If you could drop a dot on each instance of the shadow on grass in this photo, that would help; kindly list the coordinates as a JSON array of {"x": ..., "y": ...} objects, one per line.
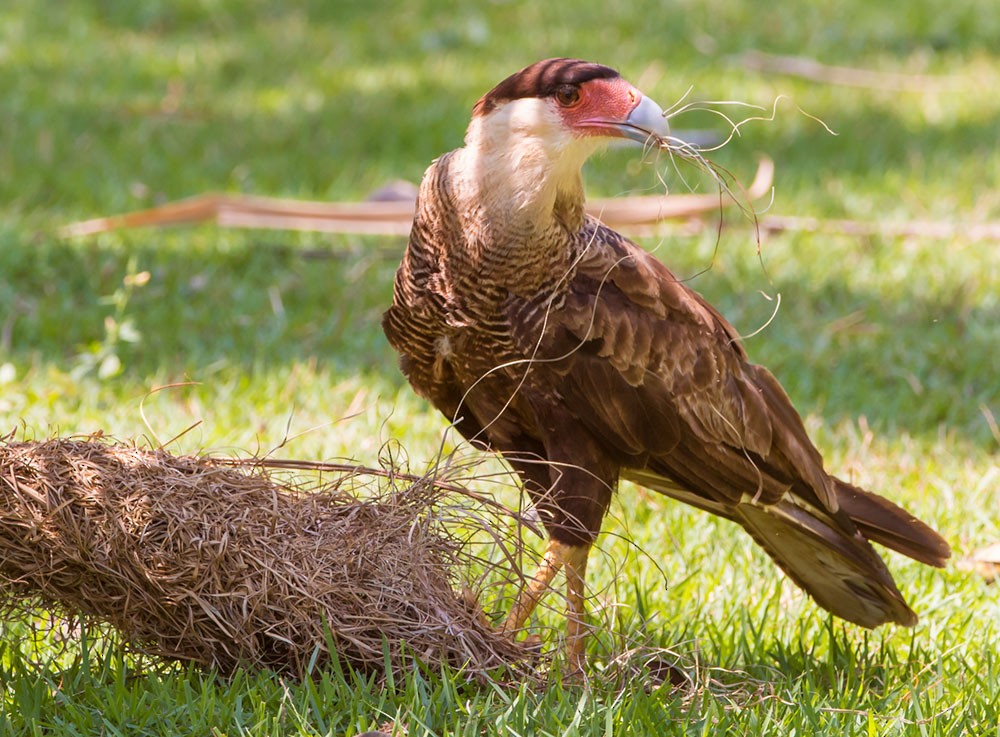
[{"x": 909, "y": 364}]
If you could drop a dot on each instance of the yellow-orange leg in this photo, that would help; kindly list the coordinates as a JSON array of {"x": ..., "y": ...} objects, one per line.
[
  {"x": 557, "y": 555},
  {"x": 576, "y": 610}
]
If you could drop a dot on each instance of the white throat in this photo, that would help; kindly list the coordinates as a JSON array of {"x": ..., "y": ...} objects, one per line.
[{"x": 521, "y": 164}]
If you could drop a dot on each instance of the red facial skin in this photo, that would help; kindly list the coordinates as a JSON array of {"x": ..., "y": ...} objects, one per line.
[{"x": 601, "y": 105}]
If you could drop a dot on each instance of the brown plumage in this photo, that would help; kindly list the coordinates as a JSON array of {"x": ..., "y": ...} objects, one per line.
[{"x": 548, "y": 337}]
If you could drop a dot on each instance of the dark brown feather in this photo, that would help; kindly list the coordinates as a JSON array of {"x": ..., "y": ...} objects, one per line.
[
  {"x": 541, "y": 79},
  {"x": 883, "y": 522}
]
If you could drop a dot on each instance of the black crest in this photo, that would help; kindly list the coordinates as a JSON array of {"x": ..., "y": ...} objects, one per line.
[{"x": 542, "y": 79}]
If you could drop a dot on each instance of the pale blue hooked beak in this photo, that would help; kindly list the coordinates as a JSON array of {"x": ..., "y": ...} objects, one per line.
[
  {"x": 644, "y": 123},
  {"x": 646, "y": 120}
]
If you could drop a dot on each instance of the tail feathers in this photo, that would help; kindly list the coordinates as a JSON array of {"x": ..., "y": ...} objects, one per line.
[
  {"x": 828, "y": 553},
  {"x": 883, "y": 522},
  {"x": 842, "y": 572}
]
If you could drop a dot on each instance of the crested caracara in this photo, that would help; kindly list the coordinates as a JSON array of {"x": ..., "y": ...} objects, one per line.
[{"x": 546, "y": 336}]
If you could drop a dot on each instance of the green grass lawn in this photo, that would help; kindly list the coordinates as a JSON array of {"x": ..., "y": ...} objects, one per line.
[{"x": 889, "y": 347}]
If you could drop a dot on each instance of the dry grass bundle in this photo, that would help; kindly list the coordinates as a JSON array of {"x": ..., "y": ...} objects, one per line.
[{"x": 191, "y": 558}]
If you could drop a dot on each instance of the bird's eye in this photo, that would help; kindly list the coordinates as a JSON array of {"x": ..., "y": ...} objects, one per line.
[{"x": 568, "y": 95}]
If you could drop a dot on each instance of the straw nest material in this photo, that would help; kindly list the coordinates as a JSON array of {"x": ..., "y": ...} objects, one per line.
[{"x": 195, "y": 559}]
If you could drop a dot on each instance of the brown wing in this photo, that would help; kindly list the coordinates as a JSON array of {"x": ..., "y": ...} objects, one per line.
[{"x": 659, "y": 376}]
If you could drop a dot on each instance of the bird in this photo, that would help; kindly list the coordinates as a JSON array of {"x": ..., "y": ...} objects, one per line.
[{"x": 546, "y": 337}]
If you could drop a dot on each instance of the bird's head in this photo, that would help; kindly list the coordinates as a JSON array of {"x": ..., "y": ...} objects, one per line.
[
  {"x": 566, "y": 101},
  {"x": 535, "y": 129}
]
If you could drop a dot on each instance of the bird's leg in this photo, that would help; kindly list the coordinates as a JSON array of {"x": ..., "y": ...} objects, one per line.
[
  {"x": 575, "y": 562},
  {"x": 574, "y": 559},
  {"x": 529, "y": 595}
]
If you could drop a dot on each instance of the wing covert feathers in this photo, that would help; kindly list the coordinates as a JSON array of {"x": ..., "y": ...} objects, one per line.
[{"x": 655, "y": 371}]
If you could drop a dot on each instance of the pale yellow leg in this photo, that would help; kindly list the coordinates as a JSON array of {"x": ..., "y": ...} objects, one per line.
[{"x": 557, "y": 555}]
